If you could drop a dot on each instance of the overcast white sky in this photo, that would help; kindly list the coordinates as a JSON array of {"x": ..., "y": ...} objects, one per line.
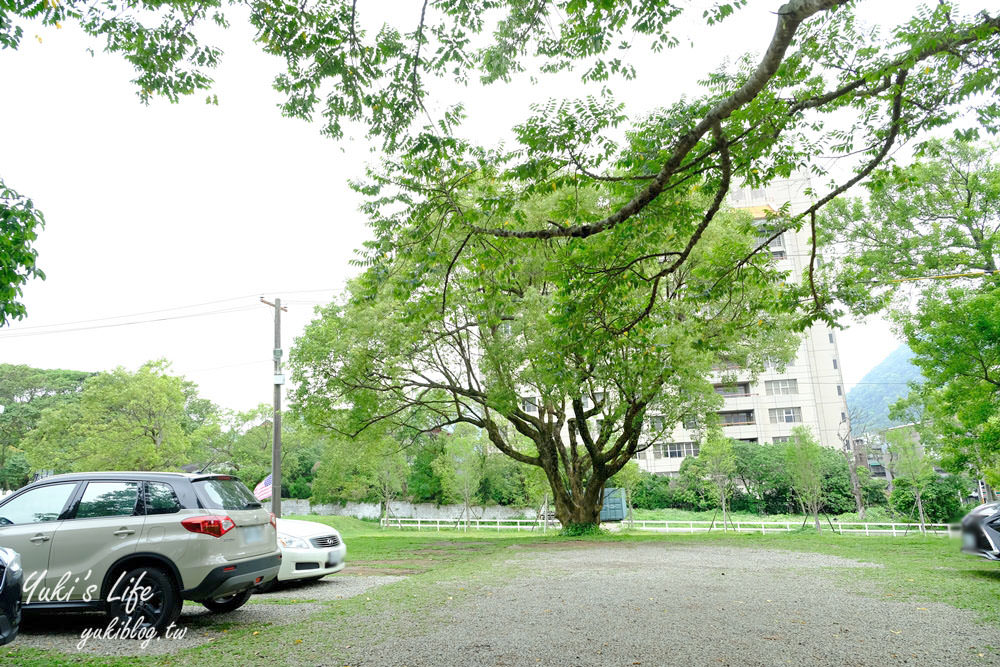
[{"x": 150, "y": 208}]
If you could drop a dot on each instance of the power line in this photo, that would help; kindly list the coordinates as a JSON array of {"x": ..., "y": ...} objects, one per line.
[
  {"x": 14, "y": 332},
  {"x": 139, "y": 314},
  {"x": 19, "y": 334}
]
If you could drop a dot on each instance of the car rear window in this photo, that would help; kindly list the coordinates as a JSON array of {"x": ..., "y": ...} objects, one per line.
[
  {"x": 161, "y": 499},
  {"x": 225, "y": 493}
]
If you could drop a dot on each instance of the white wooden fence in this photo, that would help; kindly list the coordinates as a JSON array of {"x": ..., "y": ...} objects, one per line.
[
  {"x": 518, "y": 525},
  {"x": 660, "y": 526},
  {"x": 764, "y": 527}
]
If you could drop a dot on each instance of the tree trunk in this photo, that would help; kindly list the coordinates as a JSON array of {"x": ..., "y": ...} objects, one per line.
[
  {"x": 722, "y": 499},
  {"x": 920, "y": 510},
  {"x": 887, "y": 464},
  {"x": 852, "y": 466},
  {"x": 576, "y": 501},
  {"x": 581, "y": 512},
  {"x": 815, "y": 513},
  {"x": 467, "y": 513}
]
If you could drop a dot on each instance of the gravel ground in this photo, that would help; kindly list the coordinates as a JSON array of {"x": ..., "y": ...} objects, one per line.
[
  {"x": 681, "y": 605},
  {"x": 62, "y": 632}
]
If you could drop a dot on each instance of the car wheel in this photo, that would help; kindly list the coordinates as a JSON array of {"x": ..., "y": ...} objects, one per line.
[
  {"x": 266, "y": 587},
  {"x": 147, "y": 598},
  {"x": 228, "y": 603}
]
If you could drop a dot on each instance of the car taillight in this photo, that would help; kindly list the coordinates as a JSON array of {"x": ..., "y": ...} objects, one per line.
[
  {"x": 274, "y": 520},
  {"x": 216, "y": 526}
]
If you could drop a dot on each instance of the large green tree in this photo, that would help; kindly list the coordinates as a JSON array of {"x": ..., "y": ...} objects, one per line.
[
  {"x": 955, "y": 336},
  {"x": 925, "y": 247},
  {"x": 122, "y": 421},
  {"x": 526, "y": 339},
  {"x": 823, "y": 84},
  {"x": 24, "y": 393}
]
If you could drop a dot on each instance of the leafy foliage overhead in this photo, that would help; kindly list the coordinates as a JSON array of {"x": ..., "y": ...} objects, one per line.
[
  {"x": 20, "y": 223},
  {"x": 824, "y": 84}
]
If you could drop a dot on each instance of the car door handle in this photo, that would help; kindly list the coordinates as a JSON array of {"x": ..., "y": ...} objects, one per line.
[
  {"x": 39, "y": 538},
  {"x": 124, "y": 531}
]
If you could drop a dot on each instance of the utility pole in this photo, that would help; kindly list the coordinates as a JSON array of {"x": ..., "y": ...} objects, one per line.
[{"x": 279, "y": 379}]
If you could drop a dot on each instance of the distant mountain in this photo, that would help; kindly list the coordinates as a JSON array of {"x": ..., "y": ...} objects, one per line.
[{"x": 869, "y": 400}]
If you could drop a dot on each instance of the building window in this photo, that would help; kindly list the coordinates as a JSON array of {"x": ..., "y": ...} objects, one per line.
[
  {"x": 831, "y": 337},
  {"x": 529, "y": 404},
  {"x": 835, "y": 363},
  {"x": 785, "y": 415},
  {"x": 690, "y": 423},
  {"x": 678, "y": 450},
  {"x": 781, "y": 387},
  {"x": 736, "y": 417},
  {"x": 737, "y": 389},
  {"x": 779, "y": 439},
  {"x": 843, "y": 416},
  {"x": 775, "y": 245},
  {"x": 656, "y": 423},
  {"x": 840, "y": 390},
  {"x": 752, "y": 441}
]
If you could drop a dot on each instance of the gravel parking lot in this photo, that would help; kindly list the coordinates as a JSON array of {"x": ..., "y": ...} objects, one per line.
[
  {"x": 659, "y": 604},
  {"x": 294, "y": 603},
  {"x": 581, "y": 604}
]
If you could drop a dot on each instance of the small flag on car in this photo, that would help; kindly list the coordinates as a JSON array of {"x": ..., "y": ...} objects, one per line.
[{"x": 263, "y": 490}]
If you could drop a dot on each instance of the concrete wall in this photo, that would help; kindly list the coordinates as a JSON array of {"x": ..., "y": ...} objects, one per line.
[{"x": 403, "y": 510}]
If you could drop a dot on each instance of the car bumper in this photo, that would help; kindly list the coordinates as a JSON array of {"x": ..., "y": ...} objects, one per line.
[
  {"x": 980, "y": 538},
  {"x": 309, "y": 563},
  {"x": 10, "y": 607},
  {"x": 236, "y": 577}
]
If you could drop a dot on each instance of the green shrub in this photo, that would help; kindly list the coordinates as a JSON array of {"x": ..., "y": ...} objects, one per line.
[{"x": 941, "y": 499}]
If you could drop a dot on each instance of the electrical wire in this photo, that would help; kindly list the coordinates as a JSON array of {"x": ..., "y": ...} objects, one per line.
[
  {"x": 223, "y": 311},
  {"x": 57, "y": 327}
]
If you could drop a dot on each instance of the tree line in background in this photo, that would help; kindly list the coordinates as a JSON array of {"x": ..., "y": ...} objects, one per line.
[
  {"x": 798, "y": 477},
  {"x": 61, "y": 421},
  {"x": 65, "y": 421}
]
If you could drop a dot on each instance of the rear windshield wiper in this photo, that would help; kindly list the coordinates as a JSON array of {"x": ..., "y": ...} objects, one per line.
[{"x": 252, "y": 505}]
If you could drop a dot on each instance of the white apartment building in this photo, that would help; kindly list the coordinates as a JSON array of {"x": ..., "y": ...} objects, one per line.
[{"x": 809, "y": 391}]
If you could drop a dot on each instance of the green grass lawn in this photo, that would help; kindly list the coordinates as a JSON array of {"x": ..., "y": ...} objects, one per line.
[{"x": 454, "y": 564}]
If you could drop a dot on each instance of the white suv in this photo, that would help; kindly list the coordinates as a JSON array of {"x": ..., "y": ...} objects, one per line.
[{"x": 136, "y": 544}]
